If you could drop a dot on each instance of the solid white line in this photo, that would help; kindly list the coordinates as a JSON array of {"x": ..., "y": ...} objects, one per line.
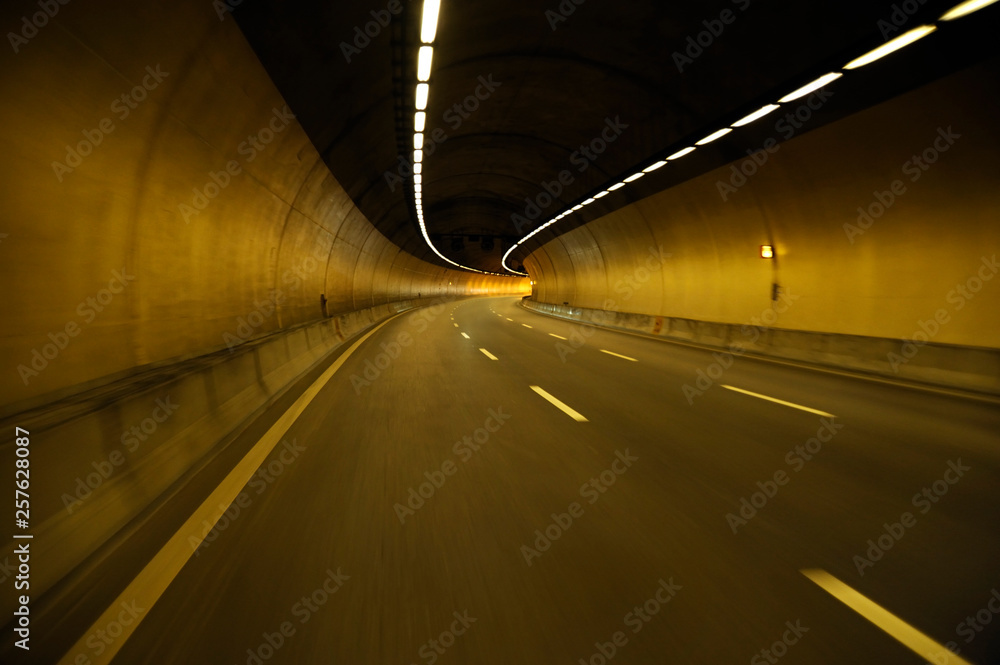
[
  {"x": 525, "y": 325},
  {"x": 145, "y": 590},
  {"x": 572, "y": 413},
  {"x": 910, "y": 637},
  {"x": 618, "y": 355},
  {"x": 465, "y": 336},
  {"x": 488, "y": 354},
  {"x": 780, "y": 401},
  {"x": 556, "y": 336}
]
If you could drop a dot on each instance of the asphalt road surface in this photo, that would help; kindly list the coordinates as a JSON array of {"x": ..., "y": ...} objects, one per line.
[{"x": 470, "y": 487}]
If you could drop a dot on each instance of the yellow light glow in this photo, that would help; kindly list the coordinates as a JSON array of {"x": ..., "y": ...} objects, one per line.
[
  {"x": 891, "y": 46},
  {"x": 809, "y": 87},
  {"x": 418, "y": 179},
  {"x": 965, "y": 8},
  {"x": 766, "y": 252},
  {"x": 714, "y": 135},
  {"x": 418, "y": 141},
  {"x": 681, "y": 153},
  {"x": 429, "y": 20},
  {"x": 614, "y": 187},
  {"x": 419, "y": 121},
  {"x": 418, "y": 168},
  {"x": 653, "y": 167},
  {"x": 418, "y": 156},
  {"x": 634, "y": 177},
  {"x": 424, "y": 57},
  {"x": 756, "y": 115},
  {"x": 601, "y": 194},
  {"x": 423, "y": 91}
]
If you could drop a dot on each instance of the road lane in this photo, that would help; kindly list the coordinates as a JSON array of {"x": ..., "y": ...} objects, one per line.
[{"x": 421, "y": 415}]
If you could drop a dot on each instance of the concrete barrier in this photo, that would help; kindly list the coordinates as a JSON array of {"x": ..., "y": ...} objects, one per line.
[
  {"x": 107, "y": 454},
  {"x": 941, "y": 365}
]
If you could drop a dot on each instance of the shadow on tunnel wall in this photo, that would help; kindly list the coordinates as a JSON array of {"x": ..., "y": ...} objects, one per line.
[
  {"x": 175, "y": 254},
  {"x": 885, "y": 235}
]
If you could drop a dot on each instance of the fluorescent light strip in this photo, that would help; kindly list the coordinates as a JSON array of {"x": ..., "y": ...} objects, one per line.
[
  {"x": 810, "y": 87},
  {"x": 964, "y": 9},
  {"x": 904, "y": 39},
  {"x": 423, "y": 91},
  {"x": 756, "y": 115},
  {"x": 428, "y": 32},
  {"x": 681, "y": 153},
  {"x": 429, "y": 20},
  {"x": 715, "y": 135},
  {"x": 424, "y": 57}
]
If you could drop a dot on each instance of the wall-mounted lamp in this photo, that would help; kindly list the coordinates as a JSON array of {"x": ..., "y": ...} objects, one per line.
[{"x": 766, "y": 252}]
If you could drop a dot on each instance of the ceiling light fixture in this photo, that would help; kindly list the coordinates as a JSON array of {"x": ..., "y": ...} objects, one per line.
[
  {"x": 714, "y": 135},
  {"x": 810, "y": 87},
  {"x": 423, "y": 91},
  {"x": 964, "y": 9},
  {"x": 891, "y": 46},
  {"x": 756, "y": 115},
  {"x": 424, "y": 57},
  {"x": 429, "y": 20}
]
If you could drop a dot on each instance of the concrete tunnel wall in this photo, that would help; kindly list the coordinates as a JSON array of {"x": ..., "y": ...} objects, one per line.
[
  {"x": 879, "y": 282},
  {"x": 279, "y": 229}
]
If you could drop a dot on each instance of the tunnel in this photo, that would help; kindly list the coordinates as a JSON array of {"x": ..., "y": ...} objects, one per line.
[{"x": 424, "y": 331}]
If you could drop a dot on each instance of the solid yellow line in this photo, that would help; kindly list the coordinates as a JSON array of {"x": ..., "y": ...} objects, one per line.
[
  {"x": 145, "y": 590},
  {"x": 910, "y": 637},
  {"x": 572, "y": 413},
  {"x": 780, "y": 401}
]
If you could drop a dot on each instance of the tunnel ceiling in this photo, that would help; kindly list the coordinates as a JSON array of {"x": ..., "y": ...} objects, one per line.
[{"x": 519, "y": 87}]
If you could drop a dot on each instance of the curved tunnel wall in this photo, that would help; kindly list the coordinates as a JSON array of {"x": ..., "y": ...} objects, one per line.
[
  {"x": 938, "y": 235},
  {"x": 197, "y": 190}
]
